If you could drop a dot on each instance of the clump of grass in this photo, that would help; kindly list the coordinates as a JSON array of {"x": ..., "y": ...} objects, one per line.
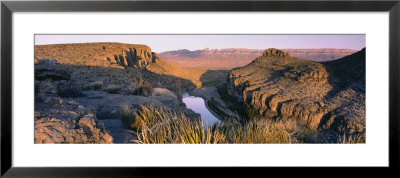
[
  {"x": 97, "y": 85},
  {"x": 352, "y": 139},
  {"x": 113, "y": 88},
  {"x": 128, "y": 117},
  {"x": 68, "y": 91},
  {"x": 253, "y": 131},
  {"x": 306, "y": 134},
  {"x": 157, "y": 125}
]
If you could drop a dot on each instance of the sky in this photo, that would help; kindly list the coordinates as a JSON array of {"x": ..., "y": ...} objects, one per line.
[{"x": 161, "y": 43}]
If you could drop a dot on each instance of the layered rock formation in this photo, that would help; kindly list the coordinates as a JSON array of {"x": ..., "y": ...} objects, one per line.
[{"x": 326, "y": 95}]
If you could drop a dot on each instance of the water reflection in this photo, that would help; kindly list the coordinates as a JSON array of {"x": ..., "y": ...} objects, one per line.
[{"x": 197, "y": 105}]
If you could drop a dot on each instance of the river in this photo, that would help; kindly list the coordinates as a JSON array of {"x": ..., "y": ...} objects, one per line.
[{"x": 198, "y": 105}]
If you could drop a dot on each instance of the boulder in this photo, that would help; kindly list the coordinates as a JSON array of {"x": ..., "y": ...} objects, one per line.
[{"x": 163, "y": 92}]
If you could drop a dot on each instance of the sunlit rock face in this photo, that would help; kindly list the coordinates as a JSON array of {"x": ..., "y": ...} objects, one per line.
[
  {"x": 98, "y": 54},
  {"x": 328, "y": 95}
]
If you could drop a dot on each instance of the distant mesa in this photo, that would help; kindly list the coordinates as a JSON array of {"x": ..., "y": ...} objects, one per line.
[
  {"x": 249, "y": 54},
  {"x": 236, "y": 57}
]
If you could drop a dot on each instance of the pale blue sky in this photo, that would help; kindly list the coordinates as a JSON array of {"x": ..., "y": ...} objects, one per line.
[{"x": 161, "y": 43}]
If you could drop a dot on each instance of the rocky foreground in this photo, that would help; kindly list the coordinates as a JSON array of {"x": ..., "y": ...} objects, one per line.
[
  {"x": 81, "y": 90},
  {"x": 328, "y": 95}
]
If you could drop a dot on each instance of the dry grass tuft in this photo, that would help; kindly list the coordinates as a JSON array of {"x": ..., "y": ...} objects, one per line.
[
  {"x": 255, "y": 131},
  {"x": 353, "y": 139},
  {"x": 158, "y": 125},
  {"x": 113, "y": 88},
  {"x": 128, "y": 117},
  {"x": 97, "y": 85}
]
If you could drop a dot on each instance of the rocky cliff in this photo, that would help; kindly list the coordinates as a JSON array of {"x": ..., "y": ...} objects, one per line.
[
  {"x": 98, "y": 54},
  {"x": 328, "y": 95}
]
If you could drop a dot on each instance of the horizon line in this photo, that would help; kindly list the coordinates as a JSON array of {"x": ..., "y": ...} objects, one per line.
[{"x": 195, "y": 49}]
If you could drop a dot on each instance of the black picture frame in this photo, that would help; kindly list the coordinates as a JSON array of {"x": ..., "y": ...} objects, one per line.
[{"x": 8, "y": 7}]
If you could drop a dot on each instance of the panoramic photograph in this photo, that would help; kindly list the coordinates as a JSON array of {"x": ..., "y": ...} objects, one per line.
[{"x": 200, "y": 89}]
